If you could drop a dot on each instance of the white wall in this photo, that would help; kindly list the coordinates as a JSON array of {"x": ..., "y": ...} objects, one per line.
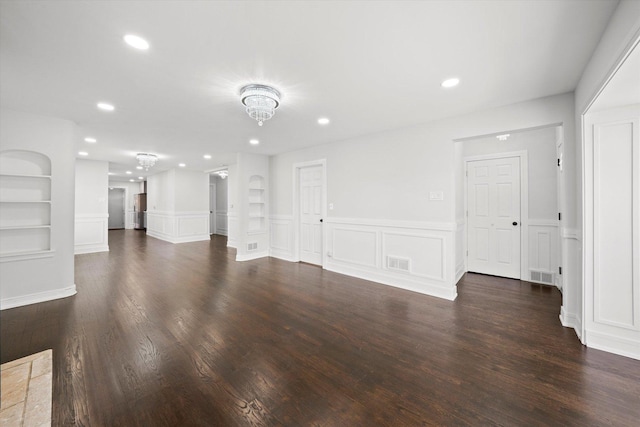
[
  {"x": 131, "y": 189},
  {"x": 30, "y": 279},
  {"x": 91, "y": 206},
  {"x": 232, "y": 206},
  {"x": 178, "y": 206},
  {"x": 384, "y": 180}
]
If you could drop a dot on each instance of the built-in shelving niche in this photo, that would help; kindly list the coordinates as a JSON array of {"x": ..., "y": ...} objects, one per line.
[
  {"x": 257, "y": 220},
  {"x": 25, "y": 204}
]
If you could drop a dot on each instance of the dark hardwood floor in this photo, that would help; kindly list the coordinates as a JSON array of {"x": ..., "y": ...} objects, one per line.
[{"x": 181, "y": 335}]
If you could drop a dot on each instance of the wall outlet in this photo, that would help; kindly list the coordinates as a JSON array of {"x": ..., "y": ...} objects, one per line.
[{"x": 436, "y": 195}]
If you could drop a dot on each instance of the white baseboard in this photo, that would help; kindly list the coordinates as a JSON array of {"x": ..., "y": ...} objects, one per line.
[
  {"x": 180, "y": 239},
  {"x": 281, "y": 254},
  {"x": 250, "y": 256},
  {"x": 570, "y": 320},
  {"x": 421, "y": 287},
  {"x": 89, "y": 249},
  {"x": 612, "y": 344},
  {"x": 21, "y": 300}
]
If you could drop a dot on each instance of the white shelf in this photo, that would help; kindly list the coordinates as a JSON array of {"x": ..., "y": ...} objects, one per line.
[
  {"x": 15, "y": 175},
  {"x": 25, "y": 201},
  {"x": 24, "y": 227},
  {"x": 24, "y": 255}
]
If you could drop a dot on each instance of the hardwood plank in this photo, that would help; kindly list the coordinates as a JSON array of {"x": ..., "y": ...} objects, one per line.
[{"x": 163, "y": 334}]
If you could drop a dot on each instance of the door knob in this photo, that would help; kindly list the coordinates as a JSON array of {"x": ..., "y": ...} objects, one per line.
[
  {"x": 514, "y": 223},
  {"x": 321, "y": 220}
]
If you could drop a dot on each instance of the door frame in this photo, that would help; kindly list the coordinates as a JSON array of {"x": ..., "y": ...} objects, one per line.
[
  {"x": 212, "y": 210},
  {"x": 296, "y": 206},
  {"x": 127, "y": 220},
  {"x": 524, "y": 206}
]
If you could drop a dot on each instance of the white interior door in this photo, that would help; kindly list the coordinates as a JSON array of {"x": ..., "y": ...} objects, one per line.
[
  {"x": 493, "y": 207},
  {"x": 311, "y": 189},
  {"x": 212, "y": 209}
]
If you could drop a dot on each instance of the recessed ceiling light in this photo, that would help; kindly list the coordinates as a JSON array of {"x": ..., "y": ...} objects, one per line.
[
  {"x": 139, "y": 168},
  {"x": 106, "y": 107},
  {"x": 503, "y": 137},
  {"x": 182, "y": 165},
  {"x": 207, "y": 156},
  {"x": 132, "y": 180},
  {"x": 137, "y": 42},
  {"x": 323, "y": 121},
  {"x": 91, "y": 140},
  {"x": 128, "y": 172},
  {"x": 110, "y": 173},
  {"x": 83, "y": 153},
  {"x": 254, "y": 142},
  {"x": 450, "y": 82},
  {"x": 140, "y": 177}
]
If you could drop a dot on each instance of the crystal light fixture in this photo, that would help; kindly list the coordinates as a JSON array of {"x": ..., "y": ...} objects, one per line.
[
  {"x": 260, "y": 101},
  {"x": 222, "y": 174},
  {"x": 146, "y": 160}
]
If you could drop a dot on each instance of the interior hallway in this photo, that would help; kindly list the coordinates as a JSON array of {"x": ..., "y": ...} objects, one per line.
[{"x": 164, "y": 334}]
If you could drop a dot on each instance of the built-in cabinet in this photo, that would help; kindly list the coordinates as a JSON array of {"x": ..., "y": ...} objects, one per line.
[
  {"x": 257, "y": 220},
  {"x": 25, "y": 204}
]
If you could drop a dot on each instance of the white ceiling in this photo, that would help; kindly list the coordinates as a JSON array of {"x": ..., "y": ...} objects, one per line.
[{"x": 368, "y": 66}]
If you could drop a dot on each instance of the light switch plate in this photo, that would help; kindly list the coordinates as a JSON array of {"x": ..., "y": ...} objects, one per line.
[{"x": 436, "y": 195}]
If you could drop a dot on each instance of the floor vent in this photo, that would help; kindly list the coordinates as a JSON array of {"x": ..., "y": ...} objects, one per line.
[
  {"x": 395, "y": 263},
  {"x": 542, "y": 277},
  {"x": 252, "y": 246}
]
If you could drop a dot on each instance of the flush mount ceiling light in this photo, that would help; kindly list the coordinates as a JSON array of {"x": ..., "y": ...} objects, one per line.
[
  {"x": 450, "y": 82},
  {"x": 136, "y": 42},
  {"x": 260, "y": 101},
  {"x": 503, "y": 137},
  {"x": 146, "y": 160},
  {"x": 106, "y": 107},
  {"x": 222, "y": 174}
]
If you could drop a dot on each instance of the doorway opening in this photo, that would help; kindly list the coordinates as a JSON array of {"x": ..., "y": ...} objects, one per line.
[
  {"x": 218, "y": 202},
  {"x": 116, "y": 208},
  {"x": 309, "y": 207},
  {"x": 511, "y": 198}
]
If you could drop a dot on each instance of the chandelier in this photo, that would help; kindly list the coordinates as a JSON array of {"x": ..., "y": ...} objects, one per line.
[
  {"x": 146, "y": 160},
  {"x": 222, "y": 174},
  {"x": 260, "y": 101}
]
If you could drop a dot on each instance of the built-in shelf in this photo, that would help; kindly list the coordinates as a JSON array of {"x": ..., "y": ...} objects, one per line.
[
  {"x": 24, "y": 227},
  {"x": 256, "y": 211},
  {"x": 25, "y": 199},
  {"x": 16, "y": 175}
]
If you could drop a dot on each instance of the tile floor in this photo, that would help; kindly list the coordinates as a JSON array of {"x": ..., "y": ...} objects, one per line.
[{"x": 26, "y": 391}]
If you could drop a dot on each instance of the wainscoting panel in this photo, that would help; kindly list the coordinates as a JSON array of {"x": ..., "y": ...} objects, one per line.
[
  {"x": 461, "y": 265},
  {"x": 232, "y": 236},
  {"x": 222, "y": 223},
  {"x": 178, "y": 227},
  {"x": 543, "y": 251},
  {"x": 281, "y": 237},
  {"x": 91, "y": 234},
  {"x": 411, "y": 255}
]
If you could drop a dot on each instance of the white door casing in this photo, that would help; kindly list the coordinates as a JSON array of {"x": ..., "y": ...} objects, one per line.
[
  {"x": 310, "y": 211},
  {"x": 212, "y": 209},
  {"x": 493, "y": 207}
]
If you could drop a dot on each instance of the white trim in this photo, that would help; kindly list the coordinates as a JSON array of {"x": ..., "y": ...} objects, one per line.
[
  {"x": 420, "y": 225},
  {"x": 24, "y": 256},
  {"x": 544, "y": 223},
  {"x": 296, "y": 206},
  {"x": 613, "y": 344},
  {"x": 170, "y": 229},
  {"x": 99, "y": 225},
  {"x": 524, "y": 204},
  {"x": 251, "y": 256},
  {"x": 22, "y": 300},
  {"x": 571, "y": 320}
]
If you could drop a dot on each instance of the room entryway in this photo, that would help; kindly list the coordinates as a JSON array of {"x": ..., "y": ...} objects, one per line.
[
  {"x": 493, "y": 209},
  {"x": 116, "y": 208}
]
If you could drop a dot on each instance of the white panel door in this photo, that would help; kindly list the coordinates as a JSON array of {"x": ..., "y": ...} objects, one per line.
[
  {"x": 311, "y": 214},
  {"x": 493, "y": 206}
]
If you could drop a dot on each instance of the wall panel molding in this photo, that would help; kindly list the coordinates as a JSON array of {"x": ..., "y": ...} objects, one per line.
[
  {"x": 178, "y": 227},
  {"x": 91, "y": 234}
]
